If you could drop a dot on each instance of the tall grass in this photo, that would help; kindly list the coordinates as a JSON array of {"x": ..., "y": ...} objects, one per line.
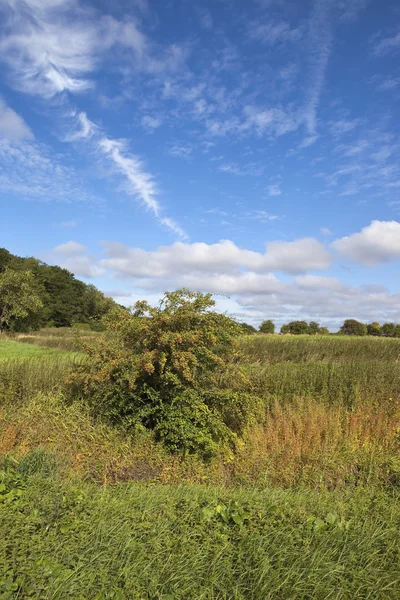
[
  {"x": 185, "y": 542},
  {"x": 22, "y": 379},
  {"x": 63, "y": 338},
  {"x": 330, "y": 383},
  {"x": 272, "y": 349}
]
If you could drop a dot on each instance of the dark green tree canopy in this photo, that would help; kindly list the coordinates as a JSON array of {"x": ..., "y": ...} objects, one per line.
[
  {"x": 313, "y": 328},
  {"x": 296, "y": 328},
  {"x": 353, "y": 327},
  {"x": 64, "y": 299},
  {"x": 388, "y": 329},
  {"x": 19, "y": 297},
  {"x": 267, "y": 327},
  {"x": 374, "y": 328}
]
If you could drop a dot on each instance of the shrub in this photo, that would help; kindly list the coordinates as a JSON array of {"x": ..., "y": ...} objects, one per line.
[{"x": 159, "y": 366}]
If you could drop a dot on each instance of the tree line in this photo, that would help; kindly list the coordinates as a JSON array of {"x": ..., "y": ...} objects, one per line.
[
  {"x": 34, "y": 294},
  {"x": 349, "y": 327}
]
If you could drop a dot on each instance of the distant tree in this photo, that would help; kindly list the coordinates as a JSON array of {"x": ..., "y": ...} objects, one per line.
[
  {"x": 397, "y": 331},
  {"x": 313, "y": 328},
  {"x": 19, "y": 297},
  {"x": 298, "y": 327},
  {"x": 248, "y": 329},
  {"x": 285, "y": 328},
  {"x": 374, "y": 328},
  {"x": 353, "y": 327},
  {"x": 323, "y": 331},
  {"x": 388, "y": 329},
  {"x": 267, "y": 327}
]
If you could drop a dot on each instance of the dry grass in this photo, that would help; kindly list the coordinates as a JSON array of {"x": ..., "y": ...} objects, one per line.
[{"x": 311, "y": 443}]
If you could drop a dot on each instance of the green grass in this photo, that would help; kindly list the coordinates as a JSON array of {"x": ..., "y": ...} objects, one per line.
[
  {"x": 10, "y": 349},
  {"x": 272, "y": 349},
  {"x": 62, "y": 541}
]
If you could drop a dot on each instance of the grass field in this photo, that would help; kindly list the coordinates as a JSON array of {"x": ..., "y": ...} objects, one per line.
[
  {"x": 134, "y": 542},
  {"x": 10, "y": 349},
  {"x": 307, "y": 507}
]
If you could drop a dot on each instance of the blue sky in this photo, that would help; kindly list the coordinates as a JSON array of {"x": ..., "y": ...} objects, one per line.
[{"x": 250, "y": 149}]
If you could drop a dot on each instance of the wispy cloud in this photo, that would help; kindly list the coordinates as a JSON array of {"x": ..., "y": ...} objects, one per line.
[
  {"x": 34, "y": 172},
  {"x": 140, "y": 183},
  {"x": 320, "y": 41},
  {"x": 150, "y": 123},
  {"x": 274, "y": 190},
  {"x": 386, "y": 45},
  {"x": 249, "y": 169},
  {"x": 12, "y": 125},
  {"x": 55, "y": 46},
  {"x": 181, "y": 151}
]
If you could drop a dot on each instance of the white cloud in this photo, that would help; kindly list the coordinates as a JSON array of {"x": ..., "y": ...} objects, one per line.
[
  {"x": 326, "y": 231},
  {"x": 181, "y": 151},
  {"x": 274, "y": 190},
  {"x": 389, "y": 84},
  {"x": 87, "y": 129},
  {"x": 150, "y": 123},
  {"x": 34, "y": 172},
  {"x": 68, "y": 224},
  {"x": 140, "y": 184},
  {"x": 272, "y": 32},
  {"x": 320, "y": 41},
  {"x": 70, "y": 248},
  {"x": 377, "y": 243},
  {"x": 220, "y": 258},
  {"x": 55, "y": 46},
  {"x": 245, "y": 276},
  {"x": 386, "y": 45},
  {"x": 74, "y": 257},
  {"x": 342, "y": 126},
  {"x": 12, "y": 126}
]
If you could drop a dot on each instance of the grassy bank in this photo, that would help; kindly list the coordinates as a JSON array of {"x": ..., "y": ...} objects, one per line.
[{"x": 132, "y": 542}]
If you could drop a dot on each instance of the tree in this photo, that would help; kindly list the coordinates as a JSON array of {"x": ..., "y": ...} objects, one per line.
[
  {"x": 19, "y": 298},
  {"x": 323, "y": 331},
  {"x": 313, "y": 328},
  {"x": 248, "y": 329},
  {"x": 161, "y": 368},
  {"x": 298, "y": 327},
  {"x": 388, "y": 329},
  {"x": 353, "y": 327},
  {"x": 285, "y": 329},
  {"x": 267, "y": 327},
  {"x": 374, "y": 328},
  {"x": 397, "y": 331}
]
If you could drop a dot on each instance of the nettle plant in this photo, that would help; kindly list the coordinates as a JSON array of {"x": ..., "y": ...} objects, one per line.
[{"x": 162, "y": 368}]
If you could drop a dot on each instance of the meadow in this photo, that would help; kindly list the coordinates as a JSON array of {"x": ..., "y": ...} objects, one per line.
[{"x": 306, "y": 507}]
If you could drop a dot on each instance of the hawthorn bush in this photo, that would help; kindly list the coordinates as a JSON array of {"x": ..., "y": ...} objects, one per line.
[{"x": 161, "y": 368}]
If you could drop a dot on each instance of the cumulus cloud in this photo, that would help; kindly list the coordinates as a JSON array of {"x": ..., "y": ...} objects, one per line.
[
  {"x": 246, "y": 276},
  {"x": 222, "y": 258},
  {"x": 375, "y": 244},
  {"x": 75, "y": 257},
  {"x": 12, "y": 126},
  {"x": 70, "y": 248}
]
